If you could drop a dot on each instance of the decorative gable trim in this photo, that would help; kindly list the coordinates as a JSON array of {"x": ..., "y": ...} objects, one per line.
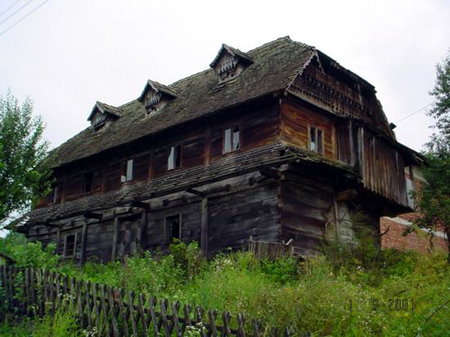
[
  {"x": 103, "y": 115},
  {"x": 156, "y": 95},
  {"x": 230, "y": 62}
]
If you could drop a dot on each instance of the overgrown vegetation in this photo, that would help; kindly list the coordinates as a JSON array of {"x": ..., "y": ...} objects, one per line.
[
  {"x": 23, "y": 176},
  {"x": 344, "y": 292}
]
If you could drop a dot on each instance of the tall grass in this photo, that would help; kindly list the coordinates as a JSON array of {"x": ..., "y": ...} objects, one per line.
[{"x": 360, "y": 291}]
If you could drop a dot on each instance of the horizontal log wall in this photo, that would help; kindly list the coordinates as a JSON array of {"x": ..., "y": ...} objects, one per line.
[
  {"x": 236, "y": 209},
  {"x": 306, "y": 209}
]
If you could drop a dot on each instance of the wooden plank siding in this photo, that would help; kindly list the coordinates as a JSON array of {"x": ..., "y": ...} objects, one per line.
[
  {"x": 296, "y": 118},
  {"x": 201, "y": 143}
]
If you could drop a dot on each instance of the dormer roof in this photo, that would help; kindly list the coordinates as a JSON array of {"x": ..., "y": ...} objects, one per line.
[
  {"x": 233, "y": 52},
  {"x": 230, "y": 63},
  {"x": 158, "y": 88},
  {"x": 105, "y": 109}
]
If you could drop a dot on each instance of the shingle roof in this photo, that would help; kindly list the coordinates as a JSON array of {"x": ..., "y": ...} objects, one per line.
[
  {"x": 275, "y": 65},
  {"x": 159, "y": 88},
  {"x": 232, "y": 51},
  {"x": 105, "y": 108}
]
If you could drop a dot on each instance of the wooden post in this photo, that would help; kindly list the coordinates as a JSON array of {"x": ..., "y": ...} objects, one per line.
[
  {"x": 115, "y": 236},
  {"x": 204, "y": 226},
  {"x": 58, "y": 239},
  {"x": 336, "y": 220},
  {"x": 361, "y": 153},
  {"x": 83, "y": 241}
]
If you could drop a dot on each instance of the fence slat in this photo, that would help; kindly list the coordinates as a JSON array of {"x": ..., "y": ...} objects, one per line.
[
  {"x": 113, "y": 312},
  {"x": 130, "y": 299},
  {"x": 118, "y": 312}
]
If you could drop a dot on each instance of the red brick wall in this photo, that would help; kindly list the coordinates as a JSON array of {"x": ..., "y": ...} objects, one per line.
[{"x": 418, "y": 240}]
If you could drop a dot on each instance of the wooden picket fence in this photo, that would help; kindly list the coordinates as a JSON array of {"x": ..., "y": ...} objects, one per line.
[{"x": 117, "y": 312}]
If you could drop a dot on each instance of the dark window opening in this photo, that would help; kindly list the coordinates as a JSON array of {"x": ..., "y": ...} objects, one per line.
[
  {"x": 173, "y": 227},
  {"x": 231, "y": 140},
  {"x": 174, "y": 159},
  {"x": 316, "y": 140},
  {"x": 88, "y": 178},
  {"x": 70, "y": 245},
  {"x": 127, "y": 172}
]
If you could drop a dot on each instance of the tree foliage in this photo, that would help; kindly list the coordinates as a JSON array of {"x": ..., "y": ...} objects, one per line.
[
  {"x": 434, "y": 196},
  {"x": 23, "y": 176},
  {"x": 440, "y": 142}
]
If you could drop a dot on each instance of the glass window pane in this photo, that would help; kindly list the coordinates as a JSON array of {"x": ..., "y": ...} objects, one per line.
[
  {"x": 312, "y": 139},
  {"x": 236, "y": 143},
  {"x": 227, "y": 141},
  {"x": 319, "y": 141},
  {"x": 178, "y": 156},
  {"x": 171, "y": 160},
  {"x": 129, "y": 174},
  {"x": 173, "y": 226}
]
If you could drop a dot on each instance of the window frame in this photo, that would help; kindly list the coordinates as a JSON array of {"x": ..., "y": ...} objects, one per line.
[
  {"x": 83, "y": 182},
  {"x": 75, "y": 235},
  {"x": 54, "y": 195},
  {"x": 168, "y": 230},
  {"x": 319, "y": 143},
  {"x": 231, "y": 140},
  {"x": 124, "y": 177},
  {"x": 180, "y": 156}
]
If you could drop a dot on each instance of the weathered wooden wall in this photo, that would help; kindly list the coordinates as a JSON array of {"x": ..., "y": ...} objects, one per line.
[
  {"x": 201, "y": 144},
  {"x": 238, "y": 210},
  {"x": 306, "y": 209},
  {"x": 380, "y": 163},
  {"x": 295, "y": 119}
]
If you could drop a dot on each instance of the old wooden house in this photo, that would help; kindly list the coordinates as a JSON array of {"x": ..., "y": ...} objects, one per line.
[{"x": 280, "y": 143}]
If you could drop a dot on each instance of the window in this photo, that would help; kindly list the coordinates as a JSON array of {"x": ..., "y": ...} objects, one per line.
[
  {"x": 316, "y": 140},
  {"x": 54, "y": 195},
  {"x": 70, "y": 245},
  {"x": 173, "y": 227},
  {"x": 231, "y": 140},
  {"x": 174, "y": 159},
  {"x": 88, "y": 178},
  {"x": 127, "y": 173}
]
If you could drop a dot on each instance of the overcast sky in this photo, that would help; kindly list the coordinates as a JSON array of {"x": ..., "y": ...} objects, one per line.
[{"x": 70, "y": 53}]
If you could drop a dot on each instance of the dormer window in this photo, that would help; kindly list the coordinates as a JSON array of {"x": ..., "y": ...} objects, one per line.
[
  {"x": 103, "y": 115},
  {"x": 156, "y": 96},
  {"x": 230, "y": 62}
]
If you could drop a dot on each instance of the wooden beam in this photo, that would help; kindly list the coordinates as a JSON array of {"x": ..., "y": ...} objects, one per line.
[
  {"x": 83, "y": 241},
  {"x": 115, "y": 236},
  {"x": 58, "y": 238},
  {"x": 270, "y": 173},
  {"x": 204, "y": 227},
  {"x": 93, "y": 215},
  {"x": 140, "y": 204},
  {"x": 198, "y": 193},
  {"x": 346, "y": 195}
]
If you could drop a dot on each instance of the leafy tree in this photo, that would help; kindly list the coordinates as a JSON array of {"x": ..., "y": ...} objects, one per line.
[
  {"x": 434, "y": 196},
  {"x": 23, "y": 176},
  {"x": 440, "y": 141}
]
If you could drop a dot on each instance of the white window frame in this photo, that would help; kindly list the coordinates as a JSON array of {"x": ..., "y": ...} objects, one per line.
[
  {"x": 231, "y": 142},
  {"x": 127, "y": 173}
]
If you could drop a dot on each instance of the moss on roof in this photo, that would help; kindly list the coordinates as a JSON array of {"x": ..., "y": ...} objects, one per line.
[{"x": 275, "y": 65}]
